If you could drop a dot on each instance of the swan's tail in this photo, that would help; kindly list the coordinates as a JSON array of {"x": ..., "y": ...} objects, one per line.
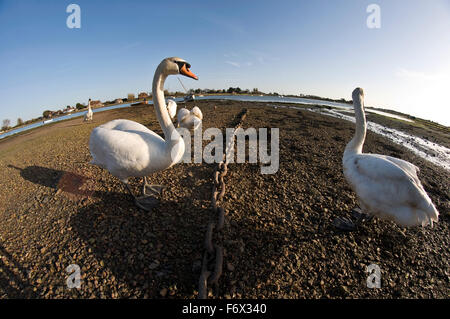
[
  {"x": 433, "y": 214},
  {"x": 427, "y": 215}
]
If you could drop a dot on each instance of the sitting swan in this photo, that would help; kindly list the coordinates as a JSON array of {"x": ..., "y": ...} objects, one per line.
[
  {"x": 386, "y": 187},
  {"x": 171, "y": 108},
  {"x": 190, "y": 119},
  {"x": 89, "y": 114},
  {"x": 185, "y": 118},
  {"x": 129, "y": 149}
]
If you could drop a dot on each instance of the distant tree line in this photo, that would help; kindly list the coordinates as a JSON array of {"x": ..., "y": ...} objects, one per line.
[
  {"x": 315, "y": 97},
  {"x": 6, "y": 124},
  {"x": 238, "y": 90},
  {"x": 230, "y": 90}
]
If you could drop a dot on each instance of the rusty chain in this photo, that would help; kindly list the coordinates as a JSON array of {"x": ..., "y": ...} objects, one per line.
[{"x": 213, "y": 256}]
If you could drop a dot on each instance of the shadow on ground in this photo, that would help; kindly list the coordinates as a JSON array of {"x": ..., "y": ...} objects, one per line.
[
  {"x": 13, "y": 278},
  {"x": 72, "y": 183}
]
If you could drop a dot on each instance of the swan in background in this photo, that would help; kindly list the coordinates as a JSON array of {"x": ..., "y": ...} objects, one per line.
[
  {"x": 129, "y": 149},
  {"x": 89, "y": 114},
  {"x": 171, "y": 108},
  {"x": 189, "y": 119},
  {"x": 185, "y": 118},
  {"x": 386, "y": 187}
]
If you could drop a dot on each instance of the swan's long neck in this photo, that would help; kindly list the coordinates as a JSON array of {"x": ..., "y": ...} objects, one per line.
[
  {"x": 160, "y": 104},
  {"x": 356, "y": 144}
]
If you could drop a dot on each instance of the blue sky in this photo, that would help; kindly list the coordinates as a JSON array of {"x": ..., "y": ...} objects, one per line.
[{"x": 313, "y": 47}]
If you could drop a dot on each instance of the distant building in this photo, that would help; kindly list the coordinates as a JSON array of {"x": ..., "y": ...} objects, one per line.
[
  {"x": 142, "y": 95},
  {"x": 96, "y": 103},
  {"x": 130, "y": 96},
  {"x": 68, "y": 110},
  {"x": 118, "y": 101}
]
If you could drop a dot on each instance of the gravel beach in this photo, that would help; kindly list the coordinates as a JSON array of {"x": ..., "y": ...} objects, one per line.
[{"x": 56, "y": 210}]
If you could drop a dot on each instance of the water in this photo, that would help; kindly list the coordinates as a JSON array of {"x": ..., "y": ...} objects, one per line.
[
  {"x": 272, "y": 99},
  {"x": 432, "y": 152},
  {"x": 62, "y": 118},
  {"x": 247, "y": 98}
]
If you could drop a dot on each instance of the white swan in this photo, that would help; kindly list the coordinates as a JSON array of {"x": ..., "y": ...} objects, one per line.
[
  {"x": 171, "y": 108},
  {"x": 89, "y": 114},
  {"x": 185, "y": 118},
  {"x": 190, "y": 119},
  {"x": 386, "y": 187},
  {"x": 128, "y": 149}
]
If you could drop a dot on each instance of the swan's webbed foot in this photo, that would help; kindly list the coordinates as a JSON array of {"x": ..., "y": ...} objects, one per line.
[
  {"x": 152, "y": 189},
  {"x": 346, "y": 224},
  {"x": 146, "y": 202},
  {"x": 360, "y": 215}
]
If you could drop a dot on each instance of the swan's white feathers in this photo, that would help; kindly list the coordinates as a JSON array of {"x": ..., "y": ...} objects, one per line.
[
  {"x": 129, "y": 149},
  {"x": 409, "y": 168},
  {"x": 386, "y": 186},
  {"x": 196, "y": 122},
  {"x": 182, "y": 113},
  {"x": 89, "y": 115},
  {"x": 190, "y": 119},
  {"x": 122, "y": 147},
  {"x": 197, "y": 112},
  {"x": 171, "y": 108},
  {"x": 386, "y": 190}
]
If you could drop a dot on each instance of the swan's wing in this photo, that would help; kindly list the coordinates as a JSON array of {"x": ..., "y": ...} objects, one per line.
[
  {"x": 196, "y": 123},
  {"x": 125, "y": 148},
  {"x": 126, "y": 125},
  {"x": 171, "y": 108},
  {"x": 182, "y": 113},
  {"x": 408, "y": 167},
  {"x": 188, "y": 120},
  {"x": 191, "y": 122},
  {"x": 382, "y": 175},
  {"x": 197, "y": 112},
  {"x": 384, "y": 186}
]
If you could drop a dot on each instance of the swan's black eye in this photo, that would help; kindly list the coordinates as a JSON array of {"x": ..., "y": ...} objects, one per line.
[{"x": 180, "y": 64}]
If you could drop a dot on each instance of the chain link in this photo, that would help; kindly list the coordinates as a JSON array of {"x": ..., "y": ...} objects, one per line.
[{"x": 213, "y": 256}]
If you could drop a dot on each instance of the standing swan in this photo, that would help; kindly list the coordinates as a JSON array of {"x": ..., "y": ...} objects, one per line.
[
  {"x": 386, "y": 187},
  {"x": 128, "y": 149},
  {"x": 89, "y": 114}
]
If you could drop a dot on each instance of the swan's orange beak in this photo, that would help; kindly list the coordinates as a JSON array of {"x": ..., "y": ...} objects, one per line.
[{"x": 185, "y": 71}]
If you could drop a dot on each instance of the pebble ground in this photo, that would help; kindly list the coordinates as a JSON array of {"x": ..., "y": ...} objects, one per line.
[{"x": 57, "y": 210}]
